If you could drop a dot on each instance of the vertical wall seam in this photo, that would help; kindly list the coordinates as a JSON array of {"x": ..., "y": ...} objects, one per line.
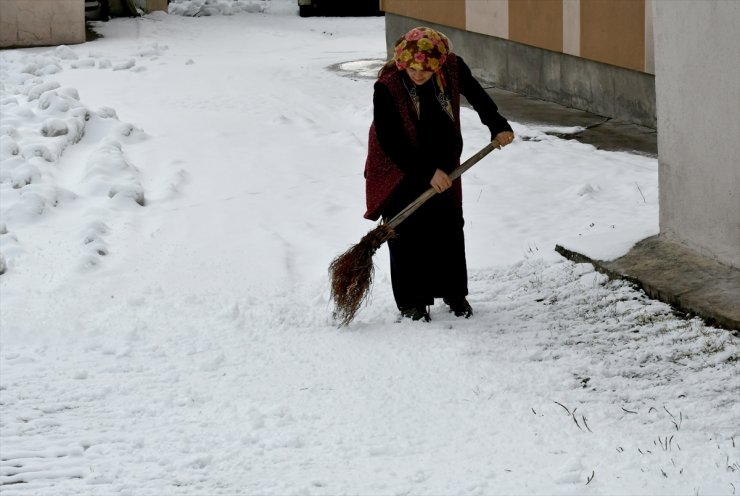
[
  {"x": 649, "y": 41},
  {"x": 489, "y": 17},
  {"x": 572, "y": 27}
]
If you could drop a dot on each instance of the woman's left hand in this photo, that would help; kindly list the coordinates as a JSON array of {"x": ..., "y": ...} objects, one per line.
[
  {"x": 440, "y": 181},
  {"x": 504, "y": 138}
]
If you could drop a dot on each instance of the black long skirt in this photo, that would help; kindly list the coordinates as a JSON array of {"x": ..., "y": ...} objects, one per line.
[{"x": 428, "y": 253}]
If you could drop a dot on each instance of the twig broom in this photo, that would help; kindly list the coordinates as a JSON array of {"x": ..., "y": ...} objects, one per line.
[{"x": 352, "y": 272}]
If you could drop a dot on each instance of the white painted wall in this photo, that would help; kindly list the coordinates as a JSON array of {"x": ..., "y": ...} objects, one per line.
[{"x": 697, "y": 83}]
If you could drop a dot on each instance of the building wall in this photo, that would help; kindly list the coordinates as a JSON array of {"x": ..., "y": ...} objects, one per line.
[
  {"x": 613, "y": 31},
  {"x": 534, "y": 22},
  {"x": 557, "y": 76},
  {"x": 697, "y": 59},
  {"x": 447, "y": 12},
  {"x": 617, "y": 32},
  {"x": 610, "y": 31},
  {"x": 594, "y": 55},
  {"x": 41, "y": 22}
]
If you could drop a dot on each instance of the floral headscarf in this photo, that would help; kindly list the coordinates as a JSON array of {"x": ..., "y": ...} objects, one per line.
[{"x": 423, "y": 49}]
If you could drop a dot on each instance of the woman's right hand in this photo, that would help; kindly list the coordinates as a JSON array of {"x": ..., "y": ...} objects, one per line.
[{"x": 440, "y": 181}]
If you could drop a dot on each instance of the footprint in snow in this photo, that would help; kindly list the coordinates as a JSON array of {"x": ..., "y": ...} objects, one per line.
[
  {"x": 24, "y": 464},
  {"x": 25, "y": 174},
  {"x": 83, "y": 64},
  {"x": 65, "y": 53},
  {"x": 54, "y": 127},
  {"x": 35, "y": 92},
  {"x": 123, "y": 66},
  {"x": 10, "y": 248},
  {"x": 39, "y": 150},
  {"x": 94, "y": 240},
  {"x": 109, "y": 173}
]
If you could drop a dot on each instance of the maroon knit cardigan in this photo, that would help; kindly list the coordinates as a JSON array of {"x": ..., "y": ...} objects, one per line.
[{"x": 382, "y": 176}]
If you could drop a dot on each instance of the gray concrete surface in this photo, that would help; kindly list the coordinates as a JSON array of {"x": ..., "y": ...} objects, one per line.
[
  {"x": 603, "y": 132},
  {"x": 670, "y": 272},
  {"x": 667, "y": 271}
]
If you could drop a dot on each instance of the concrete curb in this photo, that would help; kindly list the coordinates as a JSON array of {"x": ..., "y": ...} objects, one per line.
[{"x": 669, "y": 272}]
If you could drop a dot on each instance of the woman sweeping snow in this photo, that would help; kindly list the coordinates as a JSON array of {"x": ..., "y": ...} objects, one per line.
[{"x": 415, "y": 141}]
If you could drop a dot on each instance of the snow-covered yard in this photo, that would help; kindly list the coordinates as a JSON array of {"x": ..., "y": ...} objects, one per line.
[{"x": 171, "y": 197}]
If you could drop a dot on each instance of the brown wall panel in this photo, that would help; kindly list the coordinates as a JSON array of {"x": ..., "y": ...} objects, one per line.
[
  {"x": 445, "y": 12},
  {"x": 537, "y": 22},
  {"x": 613, "y": 31}
]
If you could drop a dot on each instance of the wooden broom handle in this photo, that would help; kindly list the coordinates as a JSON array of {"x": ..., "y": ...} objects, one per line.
[{"x": 411, "y": 208}]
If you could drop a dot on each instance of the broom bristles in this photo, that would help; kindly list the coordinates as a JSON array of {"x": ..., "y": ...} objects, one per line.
[{"x": 352, "y": 273}]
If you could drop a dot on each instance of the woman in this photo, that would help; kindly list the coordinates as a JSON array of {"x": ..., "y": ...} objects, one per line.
[{"x": 415, "y": 141}]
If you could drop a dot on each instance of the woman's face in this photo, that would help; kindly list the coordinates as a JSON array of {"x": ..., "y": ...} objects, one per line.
[{"x": 419, "y": 77}]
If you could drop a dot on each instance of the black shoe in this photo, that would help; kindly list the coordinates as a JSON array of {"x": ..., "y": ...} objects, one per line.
[
  {"x": 459, "y": 306},
  {"x": 416, "y": 313}
]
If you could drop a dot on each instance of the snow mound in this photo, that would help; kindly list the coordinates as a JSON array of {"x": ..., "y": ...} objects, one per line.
[{"x": 43, "y": 121}]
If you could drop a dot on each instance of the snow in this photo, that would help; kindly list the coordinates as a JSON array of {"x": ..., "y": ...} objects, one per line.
[{"x": 171, "y": 197}]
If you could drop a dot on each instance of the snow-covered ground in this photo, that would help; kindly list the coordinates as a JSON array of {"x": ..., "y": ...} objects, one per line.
[{"x": 171, "y": 197}]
